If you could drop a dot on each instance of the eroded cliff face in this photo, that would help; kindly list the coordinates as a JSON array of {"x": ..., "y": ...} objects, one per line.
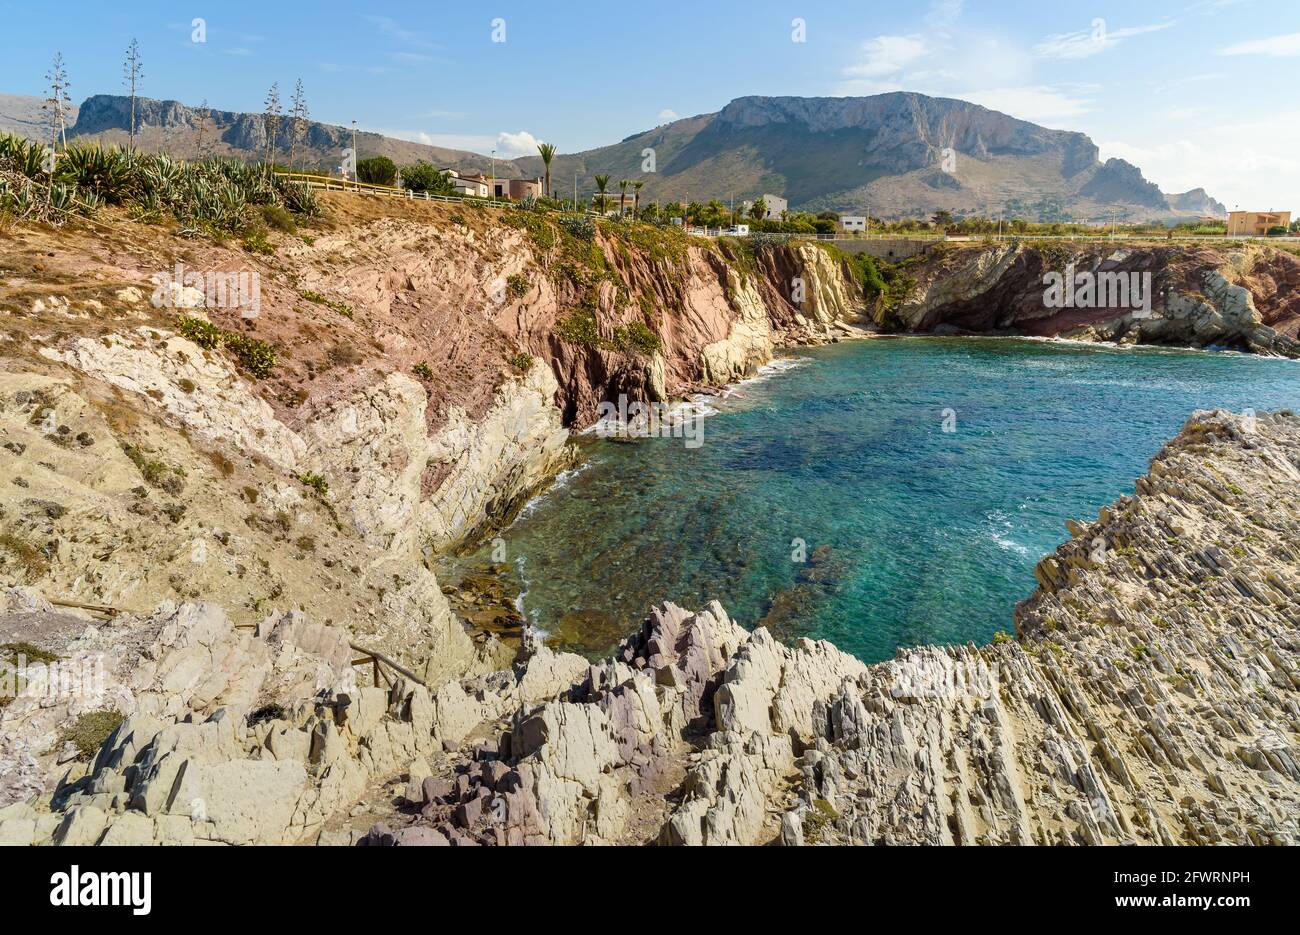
[
  {"x": 429, "y": 365},
  {"x": 1244, "y": 297},
  {"x": 1149, "y": 696}
]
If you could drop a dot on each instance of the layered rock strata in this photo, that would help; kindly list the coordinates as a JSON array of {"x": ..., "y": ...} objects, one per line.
[{"x": 1151, "y": 694}]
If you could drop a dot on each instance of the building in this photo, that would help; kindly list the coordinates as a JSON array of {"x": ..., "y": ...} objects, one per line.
[
  {"x": 1256, "y": 223},
  {"x": 475, "y": 186},
  {"x": 517, "y": 189},
  {"x": 776, "y": 206},
  {"x": 853, "y": 222}
]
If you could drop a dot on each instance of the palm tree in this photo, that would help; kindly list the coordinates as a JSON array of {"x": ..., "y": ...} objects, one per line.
[
  {"x": 547, "y": 152},
  {"x": 622, "y": 195},
  {"x": 602, "y": 182},
  {"x": 636, "y": 197}
]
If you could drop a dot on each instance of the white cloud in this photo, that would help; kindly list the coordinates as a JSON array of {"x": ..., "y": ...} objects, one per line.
[
  {"x": 1036, "y": 104},
  {"x": 1251, "y": 163},
  {"x": 395, "y": 30},
  {"x": 410, "y": 58},
  {"x": 1086, "y": 43},
  {"x": 887, "y": 55},
  {"x": 1285, "y": 46},
  {"x": 474, "y": 142},
  {"x": 510, "y": 145},
  {"x": 668, "y": 116}
]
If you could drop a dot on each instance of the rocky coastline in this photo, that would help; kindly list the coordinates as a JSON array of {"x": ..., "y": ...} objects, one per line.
[
  {"x": 1149, "y": 695},
  {"x": 235, "y": 536}
]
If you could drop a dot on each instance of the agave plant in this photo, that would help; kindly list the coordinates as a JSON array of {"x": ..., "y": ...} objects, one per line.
[
  {"x": 22, "y": 156},
  {"x": 105, "y": 171},
  {"x": 297, "y": 197}
]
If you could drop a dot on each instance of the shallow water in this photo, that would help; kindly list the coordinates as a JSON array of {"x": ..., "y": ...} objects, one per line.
[{"x": 909, "y": 534}]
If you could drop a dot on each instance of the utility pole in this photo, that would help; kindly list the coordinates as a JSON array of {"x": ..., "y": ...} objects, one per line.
[
  {"x": 355, "y": 158},
  {"x": 575, "y": 191},
  {"x": 493, "y": 192}
]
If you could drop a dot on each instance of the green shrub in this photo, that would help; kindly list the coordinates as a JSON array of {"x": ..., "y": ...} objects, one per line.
[
  {"x": 316, "y": 482},
  {"x": 255, "y": 241},
  {"x": 521, "y": 361},
  {"x": 638, "y": 338},
  {"x": 516, "y": 286},
  {"x": 90, "y": 730},
  {"x": 425, "y": 177},
  {"x": 257, "y": 357},
  {"x": 342, "y": 308},
  {"x": 279, "y": 218},
  {"x": 32, "y": 559},
  {"x": 30, "y": 653},
  {"x": 377, "y": 170},
  {"x": 579, "y": 226},
  {"x": 579, "y": 328},
  {"x": 423, "y": 371},
  {"x": 202, "y": 332}
]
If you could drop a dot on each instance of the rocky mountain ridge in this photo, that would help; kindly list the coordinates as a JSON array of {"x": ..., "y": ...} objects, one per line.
[
  {"x": 900, "y": 154},
  {"x": 191, "y": 132}
]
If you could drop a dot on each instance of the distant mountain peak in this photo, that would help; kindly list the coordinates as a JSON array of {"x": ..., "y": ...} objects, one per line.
[{"x": 895, "y": 154}]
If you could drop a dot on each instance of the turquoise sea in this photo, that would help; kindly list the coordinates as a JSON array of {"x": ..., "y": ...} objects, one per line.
[{"x": 828, "y": 501}]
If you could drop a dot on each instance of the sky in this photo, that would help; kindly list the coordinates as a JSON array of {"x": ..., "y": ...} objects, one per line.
[{"x": 1197, "y": 93}]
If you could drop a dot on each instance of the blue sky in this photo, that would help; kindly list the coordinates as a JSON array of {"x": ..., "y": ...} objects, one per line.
[{"x": 1197, "y": 92}]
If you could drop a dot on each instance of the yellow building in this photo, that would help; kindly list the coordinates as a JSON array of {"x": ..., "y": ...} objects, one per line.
[{"x": 1256, "y": 223}]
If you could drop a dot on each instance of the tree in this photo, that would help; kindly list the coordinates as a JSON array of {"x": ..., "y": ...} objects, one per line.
[
  {"x": 271, "y": 119},
  {"x": 132, "y": 74},
  {"x": 377, "y": 170},
  {"x": 622, "y": 195},
  {"x": 758, "y": 210},
  {"x": 602, "y": 182},
  {"x": 297, "y": 121},
  {"x": 424, "y": 177},
  {"x": 547, "y": 152},
  {"x": 58, "y": 103},
  {"x": 202, "y": 114},
  {"x": 942, "y": 218},
  {"x": 636, "y": 197}
]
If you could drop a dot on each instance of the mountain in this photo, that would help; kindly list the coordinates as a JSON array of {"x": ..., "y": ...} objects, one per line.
[
  {"x": 1199, "y": 202},
  {"x": 900, "y": 154},
  {"x": 196, "y": 131}
]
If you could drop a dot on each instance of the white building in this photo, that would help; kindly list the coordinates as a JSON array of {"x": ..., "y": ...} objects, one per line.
[
  {"x": 776, "y": 206},
  {"x": 473, "y": 185},
  {"x": 852, "y": 222}
]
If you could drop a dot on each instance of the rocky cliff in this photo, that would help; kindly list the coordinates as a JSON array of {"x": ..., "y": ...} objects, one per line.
[
  {"x": 246, "y": 519},
  {"x": 1242, "y": 296},
  {"x": 429, "y": 362},
  {"x": 1148, "y": 696}
]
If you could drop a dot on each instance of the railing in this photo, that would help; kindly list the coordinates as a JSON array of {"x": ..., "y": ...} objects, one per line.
[
  {"x": 370, "y": 657},
  {"x": 325, "y": 183}
]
